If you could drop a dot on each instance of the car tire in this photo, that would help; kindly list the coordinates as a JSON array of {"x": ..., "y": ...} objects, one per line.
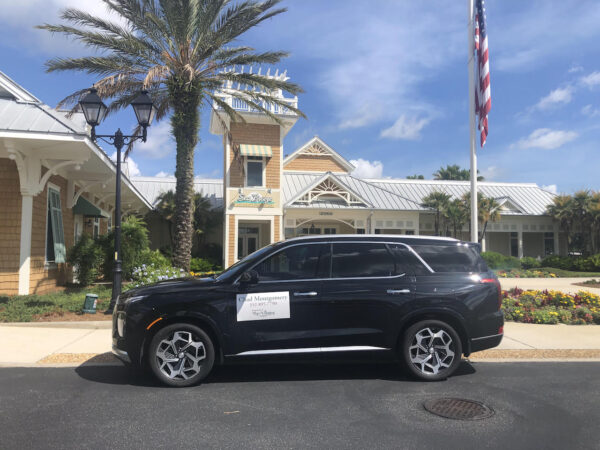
[
  {"x": 181, "y": 355},
  {"x": 431, "y": 350}
]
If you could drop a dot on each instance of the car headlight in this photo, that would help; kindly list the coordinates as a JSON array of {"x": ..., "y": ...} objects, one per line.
[{"x": 121, "y": 324}]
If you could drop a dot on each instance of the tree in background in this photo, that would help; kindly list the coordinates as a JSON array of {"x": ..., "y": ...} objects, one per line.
[
  {"x": 438, "y": 202},
  {"x": 456, "y": 215},
  {"x": 454, "y": 172},
  {"x": 181, "y": 51},
  {"x": 488, "y": 210},
  {"x": 415, "y": 177}
]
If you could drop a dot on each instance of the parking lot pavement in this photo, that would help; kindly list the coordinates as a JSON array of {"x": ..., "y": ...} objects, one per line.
[{"x": 345, "y": 405}]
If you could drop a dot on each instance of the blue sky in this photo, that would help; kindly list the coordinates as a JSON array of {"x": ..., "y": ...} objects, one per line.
[{"x": 386, "y": 85}]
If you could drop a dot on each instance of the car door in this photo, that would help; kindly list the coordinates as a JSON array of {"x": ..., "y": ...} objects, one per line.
[
  {"x": 362, "y": 298},
  {"x": 280, "y": 311}
]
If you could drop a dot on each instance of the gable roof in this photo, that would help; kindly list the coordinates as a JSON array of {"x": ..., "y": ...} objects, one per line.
[
  {"x": 327, "y": 151},
  {"x": 330, "y": 179},
  {"x": 11, "y": 90}
]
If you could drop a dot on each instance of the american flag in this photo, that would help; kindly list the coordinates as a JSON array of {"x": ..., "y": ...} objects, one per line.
[{"x": 483, "y": 96}]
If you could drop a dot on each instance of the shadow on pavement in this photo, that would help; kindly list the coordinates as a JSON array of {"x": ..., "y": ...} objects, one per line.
[{"x": 265, "y": 372}]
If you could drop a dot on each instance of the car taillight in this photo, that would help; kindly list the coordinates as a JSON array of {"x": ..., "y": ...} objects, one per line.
[{"x": 497, "y": 283}]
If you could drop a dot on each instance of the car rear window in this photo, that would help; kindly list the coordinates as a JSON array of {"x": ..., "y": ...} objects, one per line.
[{"x": 451, "y": 258}]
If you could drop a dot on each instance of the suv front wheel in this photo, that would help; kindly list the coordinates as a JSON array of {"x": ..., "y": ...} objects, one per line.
[
  {"x": 181, "y": 355},
  {"x": 431, "y": 350}
]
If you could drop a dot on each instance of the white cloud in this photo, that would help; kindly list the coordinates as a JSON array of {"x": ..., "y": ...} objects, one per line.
[
  {"x": 560, "y": 96},
  {"x": 551, "y": 188},
  {"x": 163, "y": 174},
  {"x": 592, "y": 80},
  {"x": 129, "y": 166},
  {"x": 159, "y": 144},
  {"x": 491, "y": 173},
  {"x": 590, "y": 111},
  {"x": 408, "y": 128},
  {"x": 575, "y": 68},
  {"x": 546, "y": 139},
  {"x": 366, "y": 168}
]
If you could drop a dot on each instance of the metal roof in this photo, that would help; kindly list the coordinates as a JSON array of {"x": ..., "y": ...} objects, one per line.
[
  {"x": 35, "y": 118},
  {"x": 152, "y": 187}
]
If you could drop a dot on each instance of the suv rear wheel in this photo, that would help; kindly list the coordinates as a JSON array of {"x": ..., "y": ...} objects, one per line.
[
  {"x": 181, "y": 355},
  {"x": 431, "y": 350}
]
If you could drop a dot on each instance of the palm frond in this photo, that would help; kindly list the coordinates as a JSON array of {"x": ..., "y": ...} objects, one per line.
[{"x": 260, "y": 81}]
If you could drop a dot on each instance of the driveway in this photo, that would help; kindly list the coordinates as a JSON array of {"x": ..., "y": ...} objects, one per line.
[{"x": 537, "y": 405}]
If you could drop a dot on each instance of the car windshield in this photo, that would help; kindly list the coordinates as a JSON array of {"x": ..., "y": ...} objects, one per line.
[{"x": 234, "y": 268}]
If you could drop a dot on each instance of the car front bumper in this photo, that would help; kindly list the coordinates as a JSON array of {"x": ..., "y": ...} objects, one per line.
[{"x": 121, "y": 354}]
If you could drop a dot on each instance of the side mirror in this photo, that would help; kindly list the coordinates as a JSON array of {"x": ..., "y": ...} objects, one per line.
[{"x": 249, "y": 277}]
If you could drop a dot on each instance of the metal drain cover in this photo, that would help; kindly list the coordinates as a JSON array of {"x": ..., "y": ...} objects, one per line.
[{"x": 458, "y": 408}]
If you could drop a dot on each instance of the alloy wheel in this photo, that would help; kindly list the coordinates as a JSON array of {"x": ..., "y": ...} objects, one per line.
[
  {"x": 432, "y": 350},
  {"x": 180, "y": 356}
]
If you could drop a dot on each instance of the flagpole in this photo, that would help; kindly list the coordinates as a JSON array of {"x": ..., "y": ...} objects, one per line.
[{"x": 470, "y": 31}]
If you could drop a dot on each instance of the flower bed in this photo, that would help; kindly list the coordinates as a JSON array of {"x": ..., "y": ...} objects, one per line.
[
  {"x": 551, "y": 307},
  {"x": 525, "y": 273}
]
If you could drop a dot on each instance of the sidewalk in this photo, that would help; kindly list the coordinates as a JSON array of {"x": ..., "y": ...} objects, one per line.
[{"x": 73, "y": 343}]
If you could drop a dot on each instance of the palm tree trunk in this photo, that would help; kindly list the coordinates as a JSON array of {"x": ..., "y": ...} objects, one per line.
[{"x": 185, "y": 123}]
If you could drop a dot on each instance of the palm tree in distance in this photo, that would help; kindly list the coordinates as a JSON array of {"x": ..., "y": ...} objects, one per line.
[
  {"x": 488, "y": 210},
  {"x": 456, "y": 215},
  {"x": 415, "y": 177},
  {"x": 438, "y": 202},
  {"x": 181, "y": 51},
  {"x": 454, "y": 172}
]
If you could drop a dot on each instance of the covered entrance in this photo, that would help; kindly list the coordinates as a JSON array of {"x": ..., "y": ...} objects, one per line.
[{"x": 252, "y": 235}]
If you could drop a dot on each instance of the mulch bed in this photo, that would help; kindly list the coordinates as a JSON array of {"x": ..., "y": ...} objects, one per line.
[
  {"x": 536, "y": 354},
  {"x": 588, "y": 285},
  {"x": 83, "y": 358},
  {"x": 71, "y": 317}
]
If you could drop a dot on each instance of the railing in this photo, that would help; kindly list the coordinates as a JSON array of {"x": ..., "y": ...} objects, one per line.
[{"x": 240, "y": 105}]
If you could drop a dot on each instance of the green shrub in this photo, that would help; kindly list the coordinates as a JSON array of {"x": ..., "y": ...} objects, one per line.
[
  {"x": 134, "y": 241},
  {"x": 86, "y": 257},
  {"x": 201, "y": 265},
  {"x": 530, "y": 263},
  {"x": 558, "y": 262},
  {"x": 496, "y": 260},
  {"x": 154, "y": 258},
  {"x": 546, "y": 315}
]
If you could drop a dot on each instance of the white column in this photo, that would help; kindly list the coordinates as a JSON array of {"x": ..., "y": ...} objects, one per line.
[
  {"x": 520, "y": 242},
  {"x": 472, "y": 144},
  {"x": 25, "y": 250},
  {"x": 483, "y": 244}
]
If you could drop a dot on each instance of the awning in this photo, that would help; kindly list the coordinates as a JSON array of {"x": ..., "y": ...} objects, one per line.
[
  {"x": 87, "y": 208},
  {"x": 256, "y": 150}
]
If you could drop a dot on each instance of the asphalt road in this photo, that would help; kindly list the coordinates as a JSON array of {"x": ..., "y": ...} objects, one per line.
[{"x": 538, "y": 405}]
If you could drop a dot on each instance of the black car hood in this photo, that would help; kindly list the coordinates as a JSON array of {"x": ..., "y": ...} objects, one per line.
[{"x": 176, "y": 285}]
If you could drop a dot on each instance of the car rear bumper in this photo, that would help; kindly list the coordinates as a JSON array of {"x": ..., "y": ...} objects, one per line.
[{"x": 485, "y": 342}]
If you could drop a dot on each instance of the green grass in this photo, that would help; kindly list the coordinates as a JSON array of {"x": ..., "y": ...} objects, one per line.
[
  {"x": 25, "y": 308},
  {"x": 569, "y": 273}
]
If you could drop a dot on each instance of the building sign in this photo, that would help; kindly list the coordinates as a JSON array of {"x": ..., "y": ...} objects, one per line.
[
  {"x": 263, "y": 306},
  {"x": 254, "y": 199}
]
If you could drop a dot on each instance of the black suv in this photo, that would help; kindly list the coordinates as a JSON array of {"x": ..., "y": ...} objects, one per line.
[{"x": 425, "y": 300}]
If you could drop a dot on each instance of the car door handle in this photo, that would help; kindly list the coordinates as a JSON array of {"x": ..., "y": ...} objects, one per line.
[
  {"x": 398, "y": 291},
  {"x": 305, "y": 294}
]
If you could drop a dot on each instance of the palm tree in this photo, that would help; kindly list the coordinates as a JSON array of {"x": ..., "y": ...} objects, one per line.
[
  {"x": 438, "y": 201},
  {"x": 594, "y": 217},
  {"x": 456, "y": 215},
  {"x": 562, "y": 210},
  {"x": 454, "y": 172},
  {"x": 206, "y": 218},
  {"x": 581, "y": 204},
  {"x": 165, "y": 208},
  {"x": 488, "y": 210},
  {"x": 181, "y": 51}
]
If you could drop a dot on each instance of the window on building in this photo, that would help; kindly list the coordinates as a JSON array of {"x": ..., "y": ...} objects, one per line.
[
  {"x": 254, "y": 171},
  {"x": 96, "y": 227},
  {"x": 549, "y": 243},
  {"x": 352, "y": 260},
  {"x": 451, "y": 258},
  {"x": 360, "y": 231},
  {"x": 311, "y": 230},
  {"x": 299, "y": 262},
  {"x": 329, "y": 231},
  {"x": 514, "y": 244},
  {"x": 55, "y": 239},
  {"x": 409, "y": 232}
]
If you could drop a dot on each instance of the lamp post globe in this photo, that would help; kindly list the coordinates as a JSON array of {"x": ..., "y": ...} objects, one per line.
[{"x": 94, "y": 111}]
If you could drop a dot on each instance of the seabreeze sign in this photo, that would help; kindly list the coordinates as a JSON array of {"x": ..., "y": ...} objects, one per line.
[
  {"x": 253, "y": 197},
  {"x": 263, "y": 306}
]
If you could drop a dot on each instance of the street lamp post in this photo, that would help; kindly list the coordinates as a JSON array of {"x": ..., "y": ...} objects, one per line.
[{"x": 94, "y": 111}]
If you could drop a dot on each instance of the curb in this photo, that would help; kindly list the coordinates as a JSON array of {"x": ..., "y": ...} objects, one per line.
[{"x": 82, "y": 325}]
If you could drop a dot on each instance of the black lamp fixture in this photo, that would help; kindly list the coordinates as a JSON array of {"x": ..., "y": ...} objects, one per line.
[{"x": 94, "y": 111}]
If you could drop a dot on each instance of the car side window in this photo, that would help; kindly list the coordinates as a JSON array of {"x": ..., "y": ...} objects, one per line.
[
  {"x": 407, "y": 260},
  {"x": 357, "y": 260},
  {"x": 298, "y": 262}
]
